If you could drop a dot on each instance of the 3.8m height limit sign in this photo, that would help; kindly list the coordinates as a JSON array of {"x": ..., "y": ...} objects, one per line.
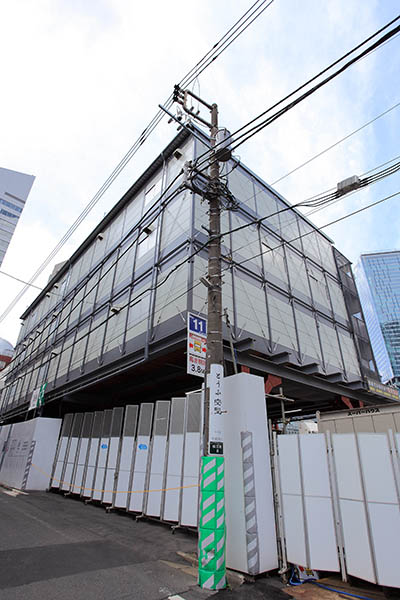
[{"x": 196, "y": 345}]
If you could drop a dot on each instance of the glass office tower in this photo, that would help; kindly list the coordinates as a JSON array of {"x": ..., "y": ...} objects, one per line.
[
  {"x": 378, "y": 282},
  {"x": 14, "y": 191}
]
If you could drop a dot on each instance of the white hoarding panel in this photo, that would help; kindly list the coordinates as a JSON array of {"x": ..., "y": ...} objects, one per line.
[
  {"x": 191, "y": 462},
  {"x": 140, "y": 469},
  {"x": 71, "y": 454},
  {"x": 82, "y": 455},
  {"x": 126, "y": 459},
  {"x": 102, "y": 456},
  {"x": 244, "y": 400},
  {"x": 356, "y": 542},
  {"x": 61, "y": 451},
  {"x": 158, "y": 459},
  {"x": 294, "y": 529},
  {"x": 385, "y": 530},
  {"x": 174, "y": 461},
  {"x": 347, "y": 466},
  {"x": 377, "y": 468},
  {"x": 321, "y": 534},
  {"x": 92, "y": 455},
  {"x": 113, "y": 454}
]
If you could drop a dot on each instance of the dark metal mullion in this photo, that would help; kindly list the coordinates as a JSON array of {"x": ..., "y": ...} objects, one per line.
[
  {"x": 291, "y": 301},
  {"x": 156, "y": 266},
  {"x": 75, "y": 334},
  {"x": 131, "y": 288},
  {"x": 100, "y": 358}
]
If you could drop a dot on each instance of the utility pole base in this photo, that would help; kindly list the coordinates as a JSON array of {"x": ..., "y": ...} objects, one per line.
[{"x": 212, "y": 532}]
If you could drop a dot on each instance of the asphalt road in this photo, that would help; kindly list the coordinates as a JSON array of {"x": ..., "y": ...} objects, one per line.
[{"x": 58, "y": 548}]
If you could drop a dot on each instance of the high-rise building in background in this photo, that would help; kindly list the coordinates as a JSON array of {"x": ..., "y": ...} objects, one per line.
[
  {"x": 378, "y": 282},
  {"x": 14, "y": 191}
]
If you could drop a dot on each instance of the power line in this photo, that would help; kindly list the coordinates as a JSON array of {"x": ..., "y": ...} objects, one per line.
[
  {"x": 346, "y": 137},
  {"x": 21, "y": 281},
  {"x": 256, "y": 129},
  {"x": 224, "y": 42},
  {"x": 260, "y": 126}
]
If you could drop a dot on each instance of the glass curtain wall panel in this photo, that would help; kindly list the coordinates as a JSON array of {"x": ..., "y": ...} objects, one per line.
[
  {"x": 138, "y": 312},
  {"x": 251, "y": 308},
  {"x": 93, "y": 452},
  {"x": 72, "y": 452},
  {"x": 273, "y": 256},
  {"x": 245, "y": 243},
  {"x": 171, "y": 296},
  {"x": 115, "y": 331},
  {"x": 139, "y": 478},
  {"x": 62, "y": 449},
  {"x": 96, "y": 335},
  {"x": 283, "y": 329},
  {"x": 102, "y": 454},
  {"x": 191, "y": 461},
  {"x": 83, "y": 453},
  {"x": 200, "y": 269},
  {"x": 176, "y": 220},
  {"x": 351, "y": 364},
  {"x": 79, "y": 348},
  {"x": 113, "y": 455},
  {"x": 330, "y": 346},
  {"x": 173, "y": 484},
  {"x": 308, "y": 334},
  {"x": 298, "y": 276},
  {"x": 127, "y": 457},
  {"x": 156, "y": 480}
]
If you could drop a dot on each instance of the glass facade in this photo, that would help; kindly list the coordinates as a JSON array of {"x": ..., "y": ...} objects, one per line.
[
  {"x": 378, "y": 281},
  {"x": 14, "y": 190},
  {"x": 130, "y": 285}
]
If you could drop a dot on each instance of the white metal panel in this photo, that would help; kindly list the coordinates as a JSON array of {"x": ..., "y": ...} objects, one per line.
[
  {"x": 173, "y": 481},
  {"x": 314, "y": 465},
  {"x": 139, "y": 473},
  {"x": 289, "y": 464},
  {"x": 56, "y": 481},
  {"x": 45, "y": 435},
  {"x": 377, "y": 468},
  {"x": 347, "y": 466},
  {"x": 385, "y": 529},
  {"x": 355, "y": 531},
  {"x": 69, "y": 465},
  {"x": 80, "y": 466},
  {"x": 191, "y": 462},
  {"x": 110, "y": 470},
  {"x": 321, "y": 534},
  {"x": 124, "y": 472},
  {"x": 126, "y": 457},
  {"x": 140, "y": 468},
  {"x": 156, "y": 479},
  {"x": 244, "y": 398},
  {"x": 100, "y": 468},
  {"x": 294, "y": 529},
  {"x": 191, "y": 475}
]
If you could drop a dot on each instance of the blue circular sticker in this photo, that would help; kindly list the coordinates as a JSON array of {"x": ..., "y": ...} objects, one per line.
[
  {"x": 104, "y": 446},
  {"x": 142, "y": 446}
]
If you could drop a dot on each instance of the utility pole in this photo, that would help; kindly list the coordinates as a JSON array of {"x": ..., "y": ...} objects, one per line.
[{"x": 212, "y": 572}]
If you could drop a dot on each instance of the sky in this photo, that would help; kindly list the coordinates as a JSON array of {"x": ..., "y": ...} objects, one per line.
[{"x": 81, "y": 80}]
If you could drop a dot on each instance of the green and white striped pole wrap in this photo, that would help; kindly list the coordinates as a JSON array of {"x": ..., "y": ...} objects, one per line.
[{"x": 212, "y": 571}]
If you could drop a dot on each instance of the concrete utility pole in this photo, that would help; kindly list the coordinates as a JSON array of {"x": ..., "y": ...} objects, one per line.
[
  {"x": 214, "y": 288},
  {"x": 212, "y": 534},
  {"x": 214, "y": 335}
]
